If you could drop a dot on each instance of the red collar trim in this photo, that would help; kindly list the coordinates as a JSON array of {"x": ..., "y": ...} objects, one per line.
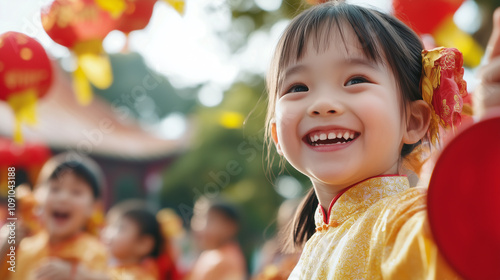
[{"x": 326, "y": 215}]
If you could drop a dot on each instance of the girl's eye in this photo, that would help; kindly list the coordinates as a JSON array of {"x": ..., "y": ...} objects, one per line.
[
  {"x": 298, "y": 88},
  {"x": 356, "y": 80}
]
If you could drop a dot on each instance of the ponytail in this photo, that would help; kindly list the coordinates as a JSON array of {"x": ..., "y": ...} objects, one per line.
[{"x": 302, "y": 227}]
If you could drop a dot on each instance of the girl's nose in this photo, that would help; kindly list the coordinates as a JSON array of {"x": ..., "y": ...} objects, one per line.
[
  {"x": 325, "y": 107},
  {"x": 319, "y": 112}
]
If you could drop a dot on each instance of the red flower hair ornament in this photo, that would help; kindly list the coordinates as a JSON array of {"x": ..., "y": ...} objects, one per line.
[{"x": 444, "y": 89}]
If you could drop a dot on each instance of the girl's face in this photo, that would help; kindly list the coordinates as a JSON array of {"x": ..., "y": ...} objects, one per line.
[
  {"x": 68, "y": 205},
  {"x": 120, "y": 237},
  {"x": 338, "y": 116}
]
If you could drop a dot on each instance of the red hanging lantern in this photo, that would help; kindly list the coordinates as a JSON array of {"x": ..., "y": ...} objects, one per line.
[
  {"x": 435, "y": 17},
  {"x": 69, "y": 22},
  {"x": 136, "y": 15},
  {"x": 424, "y": 16},
  {"x": 29, "y": 156},
  {"x": 82, "y": 25},
  {"x": 25, "y": 76}
]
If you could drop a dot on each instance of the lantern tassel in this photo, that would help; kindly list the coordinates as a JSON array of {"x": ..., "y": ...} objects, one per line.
[
  {"x": 178, "y": 5},
  {"x": 449, "y": 35},
  {"x": 114, "y": 7},
  {"x": 24, "y": 106},
  {"x": 94, "y": 67},
  {"x": 81, "y": 86},
  {"x": 97, "y": 69}
]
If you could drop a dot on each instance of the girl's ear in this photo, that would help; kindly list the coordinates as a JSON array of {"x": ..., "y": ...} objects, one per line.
[
  {"x": 418, "y": 120},
  {"x": 274, "y": 134}
]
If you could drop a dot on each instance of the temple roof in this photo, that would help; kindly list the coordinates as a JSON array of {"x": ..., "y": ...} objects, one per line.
[{"x": 97, "y": 129}]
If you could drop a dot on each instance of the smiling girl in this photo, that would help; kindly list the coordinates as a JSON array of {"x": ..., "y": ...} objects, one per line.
[{"x": 346, "y": 109}]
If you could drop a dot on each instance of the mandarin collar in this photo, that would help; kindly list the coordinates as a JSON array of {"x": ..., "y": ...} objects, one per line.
[{"x": 359, "y": 197}]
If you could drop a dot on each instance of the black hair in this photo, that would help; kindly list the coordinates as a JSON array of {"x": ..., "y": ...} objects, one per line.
[
  {"x": 225, "y": 209},
  {"x": 81, "y": 171},
  {"x": 148, "y": 225}
]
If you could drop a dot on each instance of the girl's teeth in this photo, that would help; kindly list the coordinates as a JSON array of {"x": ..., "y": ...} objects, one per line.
[{"x": 332, "y": 135}]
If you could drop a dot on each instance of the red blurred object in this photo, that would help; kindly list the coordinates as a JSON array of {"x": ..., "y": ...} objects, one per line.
[
  {"x": 424, "y": 16},
  {"x": 68, "y": 22},
  {"x": 24, "y": 65},
  {"x": 167, "y": 268},
  {"x": 464, "y": 201},
  {"x": 136, "y": 16},
  {"x": 26, "y": 155}
]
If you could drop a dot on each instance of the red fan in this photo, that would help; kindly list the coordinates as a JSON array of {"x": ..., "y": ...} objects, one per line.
[{"x": 464, "y": 201}]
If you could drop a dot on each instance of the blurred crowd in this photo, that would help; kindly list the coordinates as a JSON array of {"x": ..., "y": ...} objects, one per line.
[{"x": 62, "y": 232}]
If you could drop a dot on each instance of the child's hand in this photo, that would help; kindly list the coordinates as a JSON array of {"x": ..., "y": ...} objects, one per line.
[
  {"x": 55, "y": 269},
  {"x": 487, "y": 95}
]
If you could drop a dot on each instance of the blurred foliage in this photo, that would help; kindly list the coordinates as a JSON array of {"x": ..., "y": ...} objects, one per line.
[
  {"x": 145, "y": 94},
  {"x": 228, "y": 163}
]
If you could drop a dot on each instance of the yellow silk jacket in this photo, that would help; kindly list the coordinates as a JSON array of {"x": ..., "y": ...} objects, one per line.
[
  {"x": 134, "y": 272},
  {"x": 377, "y": 229},
  {"x": 83, "y": 248}
]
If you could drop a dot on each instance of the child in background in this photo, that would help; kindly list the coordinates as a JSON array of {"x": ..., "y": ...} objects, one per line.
[
  {"x": 216, "y": 225},
  {"x": 346, "y": 108},
  {"x": 135, "y": 242},
  {"x": 73, "y": 185},
  {"x": 274, "y": 263}
]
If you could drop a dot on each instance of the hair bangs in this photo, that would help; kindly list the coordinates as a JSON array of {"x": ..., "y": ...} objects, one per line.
[{"x": 316, "y": 26}]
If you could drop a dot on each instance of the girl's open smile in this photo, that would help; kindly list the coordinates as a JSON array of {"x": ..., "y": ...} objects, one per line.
[{"x": 330, "y": 138}]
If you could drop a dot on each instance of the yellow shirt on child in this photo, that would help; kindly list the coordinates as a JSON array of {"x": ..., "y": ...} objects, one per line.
[
  {"x": 377, "y": 229},
  {"x": 147, "y": 270},
  {"x": 84, "y": 248}
]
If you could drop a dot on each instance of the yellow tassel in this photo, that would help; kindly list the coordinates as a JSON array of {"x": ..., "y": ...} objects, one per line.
[
  {"x": 114, "y": 7},
  {"x": 449, "y": 35},
  {"x": 81, "y": 86},
  {"x": 94, "y": 62},
  {"x": 178, "y": 5},
  {"x": 93, "y": 67},
  {"x": 97, "y": 69},
  {"x": 24, "y": 106}
]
